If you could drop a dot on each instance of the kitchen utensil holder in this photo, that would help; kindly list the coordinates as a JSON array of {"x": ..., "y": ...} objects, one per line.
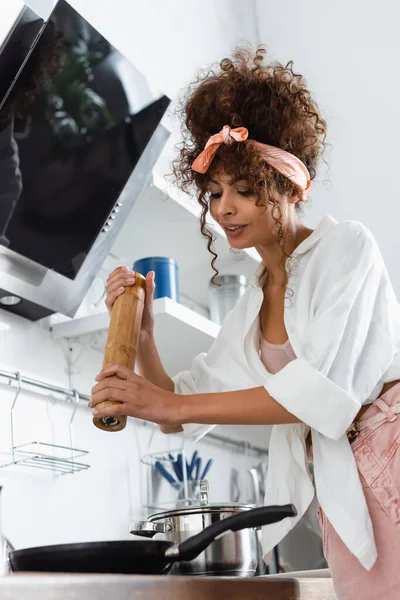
[
  {"x": 186, "y": 494},
  {"x": 37, "y": 454}
]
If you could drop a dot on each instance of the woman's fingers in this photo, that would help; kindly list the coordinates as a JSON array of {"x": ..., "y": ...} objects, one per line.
[
  {"x": 118, "y": 410},
  {"x": 120, "y": 370},
  {"x": 119, "y": 279},
  {"x": 106, "y": 384},
  {"x": 111, "y": 296},
  {"x": 115, "y": 394},
  {"x": 150, "y": 287},
  {"x": 120, "y": 273},
  {"x": 122, "y": 278}
]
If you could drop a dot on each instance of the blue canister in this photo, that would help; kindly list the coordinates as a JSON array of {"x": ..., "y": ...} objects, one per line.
[{"x": 166, "y": 275}]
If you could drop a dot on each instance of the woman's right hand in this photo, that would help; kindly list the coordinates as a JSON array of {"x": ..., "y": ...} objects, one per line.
[{"x": 123, "y": 277}]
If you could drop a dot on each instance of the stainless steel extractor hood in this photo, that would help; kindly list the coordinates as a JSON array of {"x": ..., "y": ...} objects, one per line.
[{"x": 80, "y": 133}]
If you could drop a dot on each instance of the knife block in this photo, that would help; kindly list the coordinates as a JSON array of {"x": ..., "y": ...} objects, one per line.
[{"x": 122, "y": 342}]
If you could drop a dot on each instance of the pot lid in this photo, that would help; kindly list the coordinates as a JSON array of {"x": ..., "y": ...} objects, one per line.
[{"x": 199, "y": 509}]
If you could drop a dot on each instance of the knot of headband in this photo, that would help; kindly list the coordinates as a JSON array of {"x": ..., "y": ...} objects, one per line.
[{"x": 286, "y": 163}]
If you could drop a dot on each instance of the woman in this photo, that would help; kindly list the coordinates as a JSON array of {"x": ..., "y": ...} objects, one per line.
[{"x": 312, "y": 347}]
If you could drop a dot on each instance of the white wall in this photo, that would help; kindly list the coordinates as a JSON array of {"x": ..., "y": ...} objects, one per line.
[
  {"x": 42, "y": 7},
  {"x": 168, "y": 40},
  {"x": 348, "y": 52}
]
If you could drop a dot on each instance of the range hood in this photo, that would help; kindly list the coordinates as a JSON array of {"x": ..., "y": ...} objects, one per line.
[{"x": 80, "y": 132}]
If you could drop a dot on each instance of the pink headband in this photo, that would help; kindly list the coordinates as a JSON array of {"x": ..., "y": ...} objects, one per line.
[{"x": 286, "y": 163}]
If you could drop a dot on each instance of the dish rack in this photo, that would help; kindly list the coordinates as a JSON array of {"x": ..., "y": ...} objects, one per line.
[{"x": 60, "y": 460}]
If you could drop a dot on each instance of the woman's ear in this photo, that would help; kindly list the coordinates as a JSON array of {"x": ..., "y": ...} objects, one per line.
[{"x": 298, "y": 197}]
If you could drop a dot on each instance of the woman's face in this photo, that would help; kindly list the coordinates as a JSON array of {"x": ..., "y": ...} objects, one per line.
[{"x": 233, "y": 206}]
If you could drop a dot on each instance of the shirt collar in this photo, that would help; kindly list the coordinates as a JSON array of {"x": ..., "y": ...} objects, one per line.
[{"x": 321, "y": 229}]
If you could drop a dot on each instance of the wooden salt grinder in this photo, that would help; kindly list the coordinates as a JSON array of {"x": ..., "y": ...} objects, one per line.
[{"x": 122, "y": 342}]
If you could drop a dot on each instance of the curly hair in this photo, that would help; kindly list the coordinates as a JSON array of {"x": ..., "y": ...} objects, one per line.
[{"x": 274, "y": 104}]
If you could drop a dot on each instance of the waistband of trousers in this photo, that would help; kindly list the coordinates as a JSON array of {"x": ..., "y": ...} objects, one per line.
[{"x": 388, "y": 411}]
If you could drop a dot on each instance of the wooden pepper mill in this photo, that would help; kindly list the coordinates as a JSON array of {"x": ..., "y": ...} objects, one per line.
[{"x": 122, "y": 342}]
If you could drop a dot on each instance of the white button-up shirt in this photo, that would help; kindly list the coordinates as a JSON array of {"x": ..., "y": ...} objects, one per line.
[{"x": 343, "y": 322}]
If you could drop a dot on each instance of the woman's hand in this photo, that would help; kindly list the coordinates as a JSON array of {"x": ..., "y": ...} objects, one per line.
[
  {"x": 121, "y": 278},
  {"x": 138, "y": 397}
]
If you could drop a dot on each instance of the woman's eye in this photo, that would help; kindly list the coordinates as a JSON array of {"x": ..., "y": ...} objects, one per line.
[{"x": 240, "y": 192}]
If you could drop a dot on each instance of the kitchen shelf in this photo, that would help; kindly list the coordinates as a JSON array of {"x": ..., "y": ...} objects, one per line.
[
  {"x": 180, "y": 333},
  {"x": 165, "y": 222}
]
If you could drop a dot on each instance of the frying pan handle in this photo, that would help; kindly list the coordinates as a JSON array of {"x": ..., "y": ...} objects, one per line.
[{"x": 248, "y": 519}]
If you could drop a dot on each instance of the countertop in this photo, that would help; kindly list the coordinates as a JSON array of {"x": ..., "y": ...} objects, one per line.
[{"x": 38, "y": 586}]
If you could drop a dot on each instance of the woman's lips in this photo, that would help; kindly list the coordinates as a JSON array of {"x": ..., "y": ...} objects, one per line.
[{"x": 236, "y": 232}]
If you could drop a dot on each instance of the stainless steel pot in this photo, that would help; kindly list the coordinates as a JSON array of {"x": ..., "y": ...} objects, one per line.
[{"x": 234, "y": 554}]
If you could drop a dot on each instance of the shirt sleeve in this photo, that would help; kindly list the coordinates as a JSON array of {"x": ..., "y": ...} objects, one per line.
[
  {"x": 350, "y": 341},
  {"x": 194, "y": 381},
  {"x": 220, "y": 370},
  {"x": 212, "y": 372}
]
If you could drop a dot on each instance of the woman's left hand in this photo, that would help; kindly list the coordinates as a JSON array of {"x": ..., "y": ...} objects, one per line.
[{"x": 138, "y": 397}]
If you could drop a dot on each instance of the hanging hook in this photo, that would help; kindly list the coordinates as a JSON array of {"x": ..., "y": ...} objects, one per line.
[
  {"x": 76, "y": 400},
  {"x": 19, "y": 386}
]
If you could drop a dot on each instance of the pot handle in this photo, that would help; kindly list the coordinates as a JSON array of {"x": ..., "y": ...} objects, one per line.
[
  {"x": 204, "y": 492},
  {"x": 148, "y": 528},
  {"x": 249, "y": 519},
  {"x": 256, "y": 486}
]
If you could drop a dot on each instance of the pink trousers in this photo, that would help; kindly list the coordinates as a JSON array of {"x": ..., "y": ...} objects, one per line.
[{"x": 377, "y": 454}]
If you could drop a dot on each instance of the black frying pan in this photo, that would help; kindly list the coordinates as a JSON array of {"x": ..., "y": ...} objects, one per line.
[{"x": 150, "y": 557}]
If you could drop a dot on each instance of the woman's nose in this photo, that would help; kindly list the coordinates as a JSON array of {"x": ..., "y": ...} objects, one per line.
[{"x": 226, "y": 205}]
